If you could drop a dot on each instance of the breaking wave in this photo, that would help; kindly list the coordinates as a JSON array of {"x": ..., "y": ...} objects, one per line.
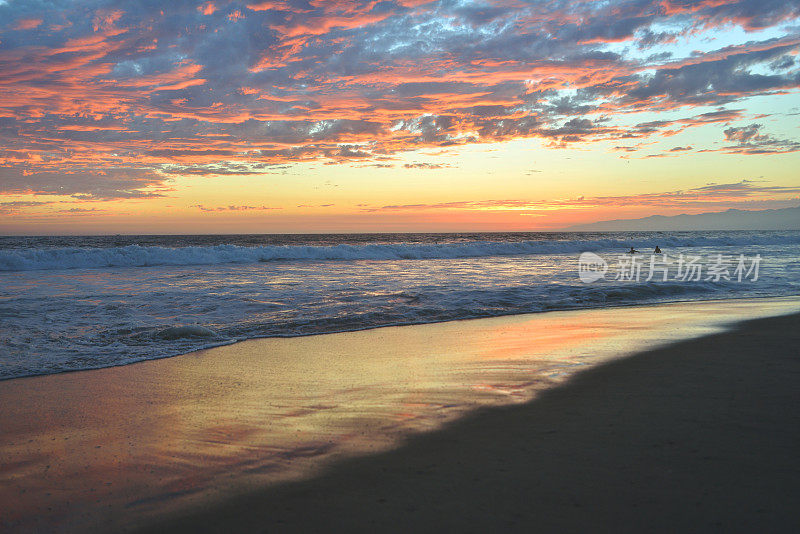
[{"x": 143, "y": 256}]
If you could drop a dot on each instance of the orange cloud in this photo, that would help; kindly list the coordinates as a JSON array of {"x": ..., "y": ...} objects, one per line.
[
  {"x": 105, "y": 19},
  {"x": 207, "y": 9},
  {"x": 28, "y": 24},
  {"x": 350, "y": 81}
]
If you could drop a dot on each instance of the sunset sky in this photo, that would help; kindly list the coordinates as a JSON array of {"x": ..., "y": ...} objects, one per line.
[{"x": 403, "y": 115}]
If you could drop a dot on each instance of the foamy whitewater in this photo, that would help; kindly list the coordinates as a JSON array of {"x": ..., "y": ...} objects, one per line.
[{"x": 69, "y": 303}]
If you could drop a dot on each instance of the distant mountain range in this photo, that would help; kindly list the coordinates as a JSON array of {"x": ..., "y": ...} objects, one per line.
[{"x": 732, "y": 219}]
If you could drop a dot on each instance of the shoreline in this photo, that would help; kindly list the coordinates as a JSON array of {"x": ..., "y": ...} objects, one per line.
[
  {"x": 116, "y": 448},
  {"x": 400, "y": 325},
  {"x": 698, "y": 436}
]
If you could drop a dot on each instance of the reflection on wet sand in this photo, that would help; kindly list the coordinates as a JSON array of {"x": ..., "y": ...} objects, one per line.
[{"x": 102, "y": 447}]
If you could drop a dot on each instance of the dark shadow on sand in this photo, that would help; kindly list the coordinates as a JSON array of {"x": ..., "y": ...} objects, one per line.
[{"x": 701, "y": 436}]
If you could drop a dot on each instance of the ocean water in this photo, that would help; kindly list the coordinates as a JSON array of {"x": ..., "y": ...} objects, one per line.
[{"x": 70, "y": 303}]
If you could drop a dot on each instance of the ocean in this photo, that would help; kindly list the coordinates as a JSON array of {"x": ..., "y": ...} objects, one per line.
[{"x": 72, "y": 303}]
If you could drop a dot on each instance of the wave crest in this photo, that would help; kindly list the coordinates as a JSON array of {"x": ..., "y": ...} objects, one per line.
[{"x": 141, "y": 256}]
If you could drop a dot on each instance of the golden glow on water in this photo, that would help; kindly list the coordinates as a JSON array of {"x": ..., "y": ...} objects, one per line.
[{"x": 121, "y": 442}]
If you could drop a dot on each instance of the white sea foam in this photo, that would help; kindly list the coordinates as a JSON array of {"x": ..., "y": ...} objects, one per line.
[
  {"x": 144, "y": 256},
  {"x": 81, "y": 307}
]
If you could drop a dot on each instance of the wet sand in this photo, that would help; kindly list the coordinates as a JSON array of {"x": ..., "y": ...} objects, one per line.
[
  {"x": 702, "y": 436},
  {"x": 272, "y": 434}
]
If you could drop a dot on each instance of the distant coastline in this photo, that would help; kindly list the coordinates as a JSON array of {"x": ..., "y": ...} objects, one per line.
[{"x": 732, "y": 219}]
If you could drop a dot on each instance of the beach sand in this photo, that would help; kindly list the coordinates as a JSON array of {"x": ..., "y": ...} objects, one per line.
[
  {"x": 576, "y": 430},
  {"x": 702, "y": 436}
]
